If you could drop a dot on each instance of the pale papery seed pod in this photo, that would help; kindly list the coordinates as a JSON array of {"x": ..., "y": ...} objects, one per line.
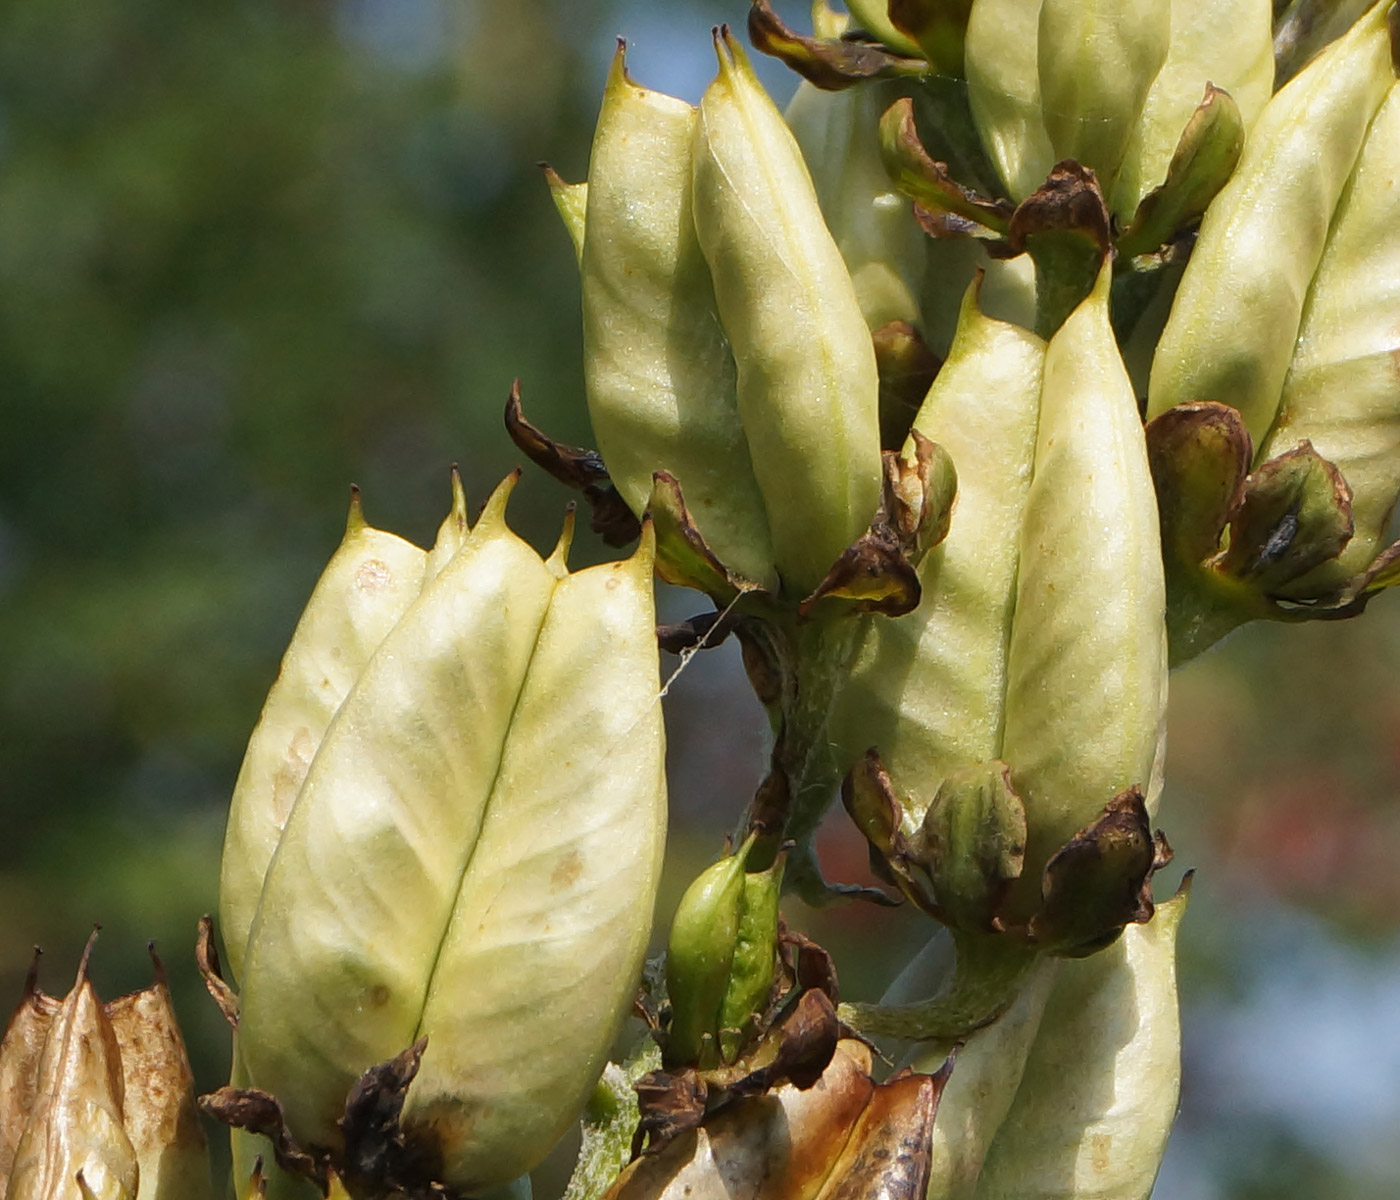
[
  {"x": 659, "y": 373},
  {"x": 1096, "y": 60},
  {"x": 1100, "y": 1088},
  {"x": 1087, "y": 663},
  {"x": 20, "y": 1051},
  {"x": 807, "y": 381},
  {"x": 1342, "y": 393},
  {"x": 367, "y": 585},
  {"x": 74, "y": 1146},
  {"x": 1226, "y": 43},
  {"x": 1235, "y": 318},
  {"x": 159, "y": 1113}
]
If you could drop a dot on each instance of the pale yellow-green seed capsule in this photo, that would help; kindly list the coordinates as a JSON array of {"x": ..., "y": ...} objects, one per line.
[
  {"x": 929, "y": 689},
  {"x": 1343, "y": 388},
  {"x": 658, "y": 368},
  {"x": 539, "y": 964},
  {"x": 1099, "y": 1093},
  {"x": 472, "y": 859},
  {"x": 807, "y": 382},
  {"x": 1235, "y": 318},
  {"x": 1096, "y": 60},
  {"x": 1087, "y": 664},
  {"x": 1003, "y": 85},
  {"x": 1227, "y": 43},
  {"x": 368, "y": 583},
  {"x": 366, "y": 875},
  {"x": 873, "y": 224}
]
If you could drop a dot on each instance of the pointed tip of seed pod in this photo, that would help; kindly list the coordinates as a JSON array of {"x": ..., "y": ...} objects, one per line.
[
  {"x": 495, "y": 511},
  {"x": 617, "y": 71},
  {"x": 459, "y": 499},
  {"x": 558, "y": 562},
  {"x": 157, "y": 966},
  {"x": 87, "y": 955},
  {"x": 729, "y": 51},
  {"x": 31, "y": 976},
  {"x": 355, "y": 519},
  {"x": 645, "y": 553}
]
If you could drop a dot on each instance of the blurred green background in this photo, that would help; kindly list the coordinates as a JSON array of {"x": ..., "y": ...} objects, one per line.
[{"x": 252, "y": 252}]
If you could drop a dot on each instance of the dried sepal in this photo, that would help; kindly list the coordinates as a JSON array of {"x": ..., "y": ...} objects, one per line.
[
  {"x": 1205, "y": 158},
  {"x": 1100, "y": 880},
  {"x": 683, "y": 556}
]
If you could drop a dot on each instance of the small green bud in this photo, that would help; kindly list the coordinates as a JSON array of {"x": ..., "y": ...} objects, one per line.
[
  {"x": 1099, "y": 1092},
  {"x": 365, "y": 588},
  {"x": 659, "y": 372},
  {"x": 1086, "y": 673},
  {"x": 754, "y": 966},
  {"x": 699, "y": 954},
  {"x": 807, "y": 380},
  {"x": 1342, "y": 393},
  {"x": 1226, "y": 45},
  {"x": 1003, "y": 86},
  {"x": 1234, "y": 322},
  {"x": 1097, "y": 59}
]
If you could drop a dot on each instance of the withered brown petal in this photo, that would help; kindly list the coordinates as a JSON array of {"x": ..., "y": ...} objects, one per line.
[
  {"x": 576, "y": 468},
  {"x": 258, "y": 1112},
  {"x": 1101, "y": 879},
  {"x": 907, "y": 370},
  {"x": 832, "y": 64},
  {"x": 670, "y": 1103},
  {"x": 206, "y": 957},
  {"x": 159, "y": 1110},
  {"x": 928, "y": 182}
]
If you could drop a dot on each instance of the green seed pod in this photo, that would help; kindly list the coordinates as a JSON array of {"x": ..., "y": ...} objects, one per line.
[
  {"x": 754, "y": 966},
  {"x": 807, "y": 381},
  {"x": 658, "y": 369},
  {"x": 1097, "y": 59},
  {"x": 1099, "y": 1093},
  {"x": 368, "y": 583},
  {"x": 1342, "y": 393},
  {"x": 1003, "y": 86},
  {"x": 1224, "y": 43},
  {"x": 929, "y": 688},
  {"x": 699, "y": 954},
  {"x": 472, "y": 859},
  {"x": 74, "y": 1146},
  {"x": 872, "y": 223},
  {"x": 1087, "y": 667},
  {"x": 1235, "y": 318}
]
